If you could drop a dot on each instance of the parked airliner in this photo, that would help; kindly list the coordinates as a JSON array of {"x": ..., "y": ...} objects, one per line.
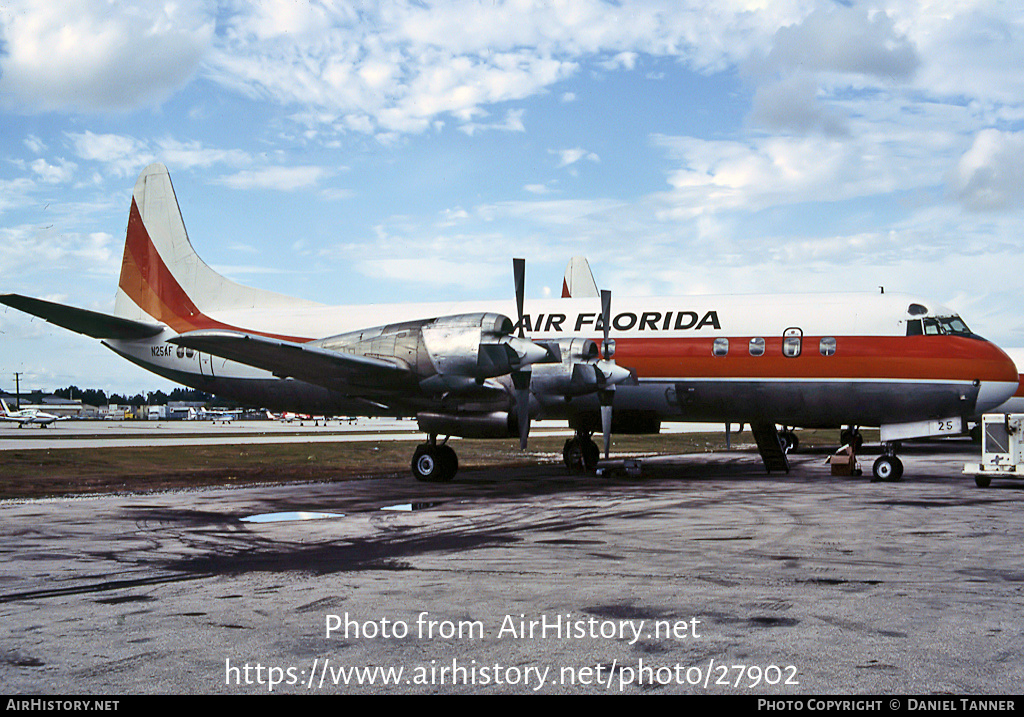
[{"x": 905, "y": 364}]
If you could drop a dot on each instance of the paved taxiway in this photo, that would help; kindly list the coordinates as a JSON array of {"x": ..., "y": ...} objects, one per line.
[
  {"x": 104, "y": 434},
  {"x": 841, "y": 585}
]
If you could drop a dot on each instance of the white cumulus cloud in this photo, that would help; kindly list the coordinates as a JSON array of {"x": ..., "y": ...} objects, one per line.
[{"x": 97, "y": 55}]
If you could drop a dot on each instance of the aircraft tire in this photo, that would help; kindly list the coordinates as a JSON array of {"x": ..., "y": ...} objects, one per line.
[
  {"x": 591, "y": 455},
  {"x": 887, "y": 468},
  {"x": 983, "y": 481},
  {"x": 431, "y": 465},
  {"x": 581, "y": 453},
  {"x": 572, "y": 454},
  {"x": 449, "y": 462}
]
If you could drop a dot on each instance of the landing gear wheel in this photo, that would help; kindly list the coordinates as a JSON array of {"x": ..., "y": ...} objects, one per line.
[
  {"x": 887, "y": 468},
  {"x": 425, "y": 465},
  {"x": 572, "y": 454},
  {"x": 591, "y": 455},
  {"x": 983, "y": 481},
  {"x": 449, "y": 461},
  {"x": 581, "y": 453},
  {"x": 788, "y": 441},
  {"x": 434, "y": 464}
]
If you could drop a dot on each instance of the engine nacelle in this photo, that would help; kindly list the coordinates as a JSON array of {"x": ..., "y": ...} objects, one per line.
[
  {"x": 577, "y": 374},
  {"x": 448, "y": 354},
  {"x": 471, "y": 345},
  {"x": 498, "y": 424}
]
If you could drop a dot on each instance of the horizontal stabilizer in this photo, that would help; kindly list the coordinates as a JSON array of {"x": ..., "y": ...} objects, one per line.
[
  {"x": 83, "y": 321},
  {"x": 295, "y": 360}
]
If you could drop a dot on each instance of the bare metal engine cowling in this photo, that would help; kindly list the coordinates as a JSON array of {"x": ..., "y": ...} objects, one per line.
[{"x": 447, "y": 354}]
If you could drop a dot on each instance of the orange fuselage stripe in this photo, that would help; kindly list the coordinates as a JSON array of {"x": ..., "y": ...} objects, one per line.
[{"x": 856, "y": 357}]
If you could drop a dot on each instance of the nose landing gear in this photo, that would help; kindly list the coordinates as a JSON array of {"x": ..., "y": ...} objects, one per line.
[{"x": 888, "y": 466}]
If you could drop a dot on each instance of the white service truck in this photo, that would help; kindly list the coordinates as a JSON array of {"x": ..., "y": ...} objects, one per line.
[{"x": 1002, "y": 448}]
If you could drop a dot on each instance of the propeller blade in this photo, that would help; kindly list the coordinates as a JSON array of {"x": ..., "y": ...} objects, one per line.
[
  {"x": 606, "y": 420},
  {"x": 521, "y": 381},
  {"x": 606, "y": 313},
  {"x": 521, "y": 377},
  {"x": 607, "y": 394},
  {"x": 519, "y": 272}
]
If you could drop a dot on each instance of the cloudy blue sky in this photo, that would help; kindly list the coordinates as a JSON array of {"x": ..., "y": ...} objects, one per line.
[{"x": 360, "y": 152}]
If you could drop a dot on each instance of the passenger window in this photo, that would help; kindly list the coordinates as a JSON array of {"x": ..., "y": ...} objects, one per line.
[
  {"x": 721, "y": 347},
  {"x": 757, "y": 347},
  {"x": 827, "y": 346},
  {"x": 791, "y": 342}
]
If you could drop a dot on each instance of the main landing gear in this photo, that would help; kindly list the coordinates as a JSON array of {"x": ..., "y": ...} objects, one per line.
[
  {"x": 581, "y": 453},
  {"x": 851, "y": 437},
  {"x": 788, "y": 440},
  {"x": 434, "y": 462}
]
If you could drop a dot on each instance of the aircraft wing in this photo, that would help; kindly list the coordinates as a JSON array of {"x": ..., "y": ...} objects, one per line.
[
  {"x": 290, "y": 359},
  {"x": 82, "y": 321}
]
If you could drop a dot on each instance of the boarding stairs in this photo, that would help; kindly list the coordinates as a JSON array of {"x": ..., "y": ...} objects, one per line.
[{"x": 768, "y": 444}]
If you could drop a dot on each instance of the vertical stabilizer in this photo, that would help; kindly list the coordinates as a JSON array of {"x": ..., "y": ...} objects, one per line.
[
  {"x": 163, "y": 278},
  {"x": 579, "y": 280}
]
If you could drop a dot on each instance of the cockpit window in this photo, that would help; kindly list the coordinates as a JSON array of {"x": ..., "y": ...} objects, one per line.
[
  {"x": 946, "y": 326},
  {"x": 953, "y": 325}
]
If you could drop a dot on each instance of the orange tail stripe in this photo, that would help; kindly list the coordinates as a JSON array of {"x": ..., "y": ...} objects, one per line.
[{"x": 146, "y": 279}]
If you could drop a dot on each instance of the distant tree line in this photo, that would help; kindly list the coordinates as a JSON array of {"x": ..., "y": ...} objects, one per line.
[{"x": 96, "y": 397}]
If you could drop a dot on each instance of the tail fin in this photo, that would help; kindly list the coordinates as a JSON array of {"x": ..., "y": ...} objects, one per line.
[
  {"x": 163, "y": 278},
  {"x": 579, "y": 280}
]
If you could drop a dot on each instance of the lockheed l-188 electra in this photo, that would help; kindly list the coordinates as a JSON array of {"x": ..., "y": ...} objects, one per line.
[{"x": 487, "y": 369}]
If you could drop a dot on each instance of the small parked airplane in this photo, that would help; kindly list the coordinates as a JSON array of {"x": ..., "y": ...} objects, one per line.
[
  {"x": 907, "y": 365},
  {"x": 216, "y": 416},
  {"x": 26, "y": 416}
]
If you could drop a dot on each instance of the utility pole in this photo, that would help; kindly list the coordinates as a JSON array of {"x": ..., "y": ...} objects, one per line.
[{"x": 17, "y": 390}]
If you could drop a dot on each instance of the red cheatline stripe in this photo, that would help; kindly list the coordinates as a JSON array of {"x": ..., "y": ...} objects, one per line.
[{"x": 871, "y": 357}]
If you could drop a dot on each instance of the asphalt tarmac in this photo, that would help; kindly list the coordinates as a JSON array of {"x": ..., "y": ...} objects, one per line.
[{"x": 701, "y": 576}]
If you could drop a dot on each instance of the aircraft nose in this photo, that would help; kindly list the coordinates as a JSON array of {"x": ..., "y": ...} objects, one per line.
[{"x": 1002, "y": 383}]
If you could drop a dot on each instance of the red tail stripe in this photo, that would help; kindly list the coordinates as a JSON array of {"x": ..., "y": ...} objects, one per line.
[{"x": 146, "y": 279}]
